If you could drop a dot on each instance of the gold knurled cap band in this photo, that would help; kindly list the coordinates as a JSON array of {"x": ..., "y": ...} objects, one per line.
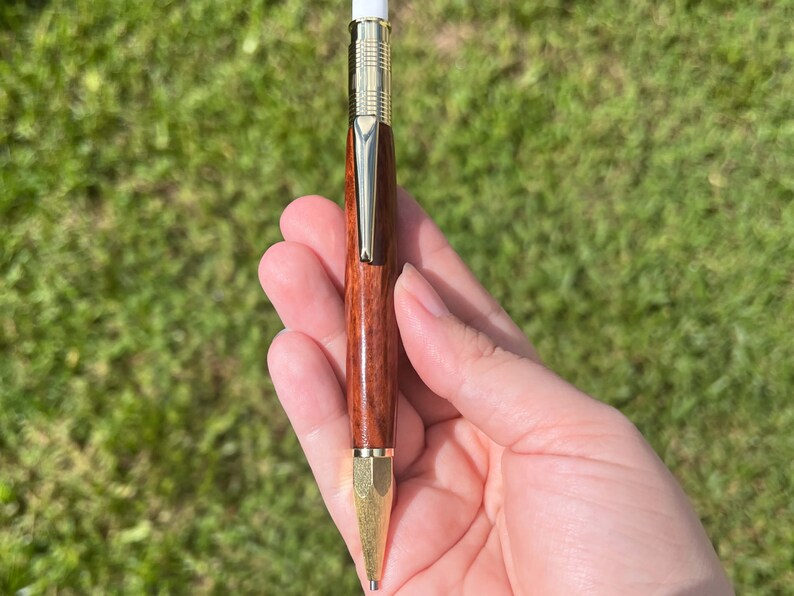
[{"x": 369, "y": 66}]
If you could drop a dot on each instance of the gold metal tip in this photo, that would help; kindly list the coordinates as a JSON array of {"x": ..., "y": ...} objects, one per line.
[{"x": 374, "y": 491}]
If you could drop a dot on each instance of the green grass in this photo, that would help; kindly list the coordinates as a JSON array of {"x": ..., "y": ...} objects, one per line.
[{"x": 619, "y": 174}]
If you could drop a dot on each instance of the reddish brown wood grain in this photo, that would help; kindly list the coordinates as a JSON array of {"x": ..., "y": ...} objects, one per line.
[{"x": 372, "y": 336}]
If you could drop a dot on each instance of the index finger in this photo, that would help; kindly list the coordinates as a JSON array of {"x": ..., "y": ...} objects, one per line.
[{"x": 319, "y": 224}]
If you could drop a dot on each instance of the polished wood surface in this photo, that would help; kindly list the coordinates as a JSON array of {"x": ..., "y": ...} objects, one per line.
[{"x": 372, "y": 336}]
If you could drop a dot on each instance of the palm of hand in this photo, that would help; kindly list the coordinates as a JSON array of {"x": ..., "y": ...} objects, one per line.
[
  {"x": 524, "y": 485},
  {"x": 473, "y": 517}
]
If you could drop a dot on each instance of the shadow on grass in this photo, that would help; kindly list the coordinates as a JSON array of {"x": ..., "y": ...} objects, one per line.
[{"x": 15, "y": 14}]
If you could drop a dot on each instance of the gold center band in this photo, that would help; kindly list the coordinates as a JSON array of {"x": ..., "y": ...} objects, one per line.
[{"x": 373, "y": 452}]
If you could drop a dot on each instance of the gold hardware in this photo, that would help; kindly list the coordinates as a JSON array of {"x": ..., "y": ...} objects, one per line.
[
  {"x": 374, "y": 492},
  {"x": 367, "y": 452},
  {"x": 365, "y": 152},
  {"x": 369, "y": 66}
]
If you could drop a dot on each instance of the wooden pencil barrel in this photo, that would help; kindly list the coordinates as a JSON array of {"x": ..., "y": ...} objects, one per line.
[{"x": 372, "y": 336}]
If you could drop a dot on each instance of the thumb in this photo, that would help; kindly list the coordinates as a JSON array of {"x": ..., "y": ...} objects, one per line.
[{"x": 518, "y": 403}]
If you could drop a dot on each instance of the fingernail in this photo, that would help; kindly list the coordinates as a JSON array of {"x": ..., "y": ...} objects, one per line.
[
  {"x": 280, "y": 333},
  {"x": 418, "y": 287}
]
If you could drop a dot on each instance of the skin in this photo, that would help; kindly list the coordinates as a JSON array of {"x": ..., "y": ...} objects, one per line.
[{"x": 509, "y": 479}]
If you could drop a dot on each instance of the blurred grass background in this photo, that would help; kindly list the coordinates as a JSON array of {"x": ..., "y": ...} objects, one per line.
[{"x": 619, "y": 174}]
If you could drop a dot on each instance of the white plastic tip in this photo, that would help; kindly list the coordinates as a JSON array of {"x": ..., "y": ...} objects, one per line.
[{"x": 371, "y": 8}]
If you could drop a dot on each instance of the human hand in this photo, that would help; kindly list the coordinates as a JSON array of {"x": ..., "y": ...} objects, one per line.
[{"x": 508, "y": 479}]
